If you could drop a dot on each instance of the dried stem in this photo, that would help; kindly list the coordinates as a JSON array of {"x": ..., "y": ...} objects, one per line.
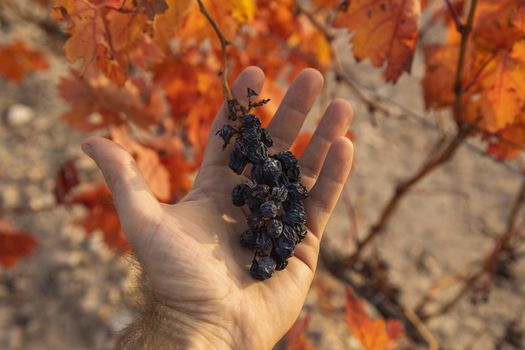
[
  {"x": 225, "y": 63},
  {"x": 443, "y": 282},
  {"x": 464, "y": 30}
]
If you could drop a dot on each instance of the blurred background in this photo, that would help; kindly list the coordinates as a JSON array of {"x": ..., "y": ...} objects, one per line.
[{"x": 436, "y": 267}]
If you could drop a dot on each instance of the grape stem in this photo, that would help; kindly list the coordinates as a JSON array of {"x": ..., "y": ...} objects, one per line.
[{"x": 224, "y": 51}]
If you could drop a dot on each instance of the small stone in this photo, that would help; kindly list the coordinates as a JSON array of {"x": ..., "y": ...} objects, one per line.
[
  {"x": 10, "y": 197},
  {"x": 19, "y": 114}
]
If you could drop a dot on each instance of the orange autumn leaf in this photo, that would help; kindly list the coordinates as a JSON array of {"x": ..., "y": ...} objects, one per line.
[
  {"x": 507, "y": 143},
  {"x": 503, "y": 96},
  {"x": 105, "y": 34},
  {"x": 438, "y": 83},
  {"x": 101, "y": 214},
  {"x": 95, "y": 102},
  {"x": 385, "y": 32},
  {"x": 312, "y": 46},
  {"x": 230, "y": 15},
  {"x": 499, "y": 23},
  {"x": 14, "y": 244},
  {"x": 16, "y": 61},
  {"x": 300, "y": 143},
  {"x": 169, "y": 22},
  {"x": 296, "y": 338},
  {"x": 372, "y": 334}
]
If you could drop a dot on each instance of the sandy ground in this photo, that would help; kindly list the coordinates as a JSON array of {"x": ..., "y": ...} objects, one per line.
[{"x": 71, "y": 293}]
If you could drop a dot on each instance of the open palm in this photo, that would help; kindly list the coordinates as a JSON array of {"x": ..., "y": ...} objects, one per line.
[{"x": 203, "y": 294}]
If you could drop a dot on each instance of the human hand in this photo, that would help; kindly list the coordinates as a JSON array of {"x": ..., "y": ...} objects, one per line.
[{"x": 201, "y": 293}]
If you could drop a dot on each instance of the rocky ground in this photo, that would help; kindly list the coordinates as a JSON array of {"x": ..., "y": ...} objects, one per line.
[{"x": 71, "y": 293}]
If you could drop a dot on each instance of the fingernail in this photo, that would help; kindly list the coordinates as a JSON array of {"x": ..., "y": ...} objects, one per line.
[{"x": 87, "y": 148}]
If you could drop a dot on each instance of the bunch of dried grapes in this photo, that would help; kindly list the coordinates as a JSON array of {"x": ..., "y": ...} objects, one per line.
[{"x": 273, "y": 193}]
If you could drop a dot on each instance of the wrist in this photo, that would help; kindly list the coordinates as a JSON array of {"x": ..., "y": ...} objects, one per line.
[{"x": 159, "y": 326}]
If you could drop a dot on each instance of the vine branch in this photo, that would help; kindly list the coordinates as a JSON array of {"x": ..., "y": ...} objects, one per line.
[
  {"x": 464, "y": 30},
  {"x": 445, "y": 153},
  {"x": 224, "y": 52}
]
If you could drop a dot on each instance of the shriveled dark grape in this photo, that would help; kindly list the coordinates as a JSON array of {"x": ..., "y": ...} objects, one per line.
[
  {"x": 263, "y": 269},
  {"x": 279, "y": 193},
  {"x": 296, "y": 191},
  {"x": 248, "y": 239},
  {"x": 250, "y": 121},
  {"x": 266, "y": 138},
  {"x": 238, "y": 195},
  {"x": 238, "y": 160},
  {"x": 274, "y": 228},
  {"x": 257, "y": 153},
  {"x": 226, "y": 133},
  {"x": 268, "y": 210}
]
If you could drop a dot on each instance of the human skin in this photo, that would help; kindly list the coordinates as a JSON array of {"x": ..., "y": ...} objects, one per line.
[{"x": 201, "y": 294}]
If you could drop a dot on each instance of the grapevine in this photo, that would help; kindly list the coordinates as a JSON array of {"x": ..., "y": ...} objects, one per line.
[{"x": 273, "y": 193}]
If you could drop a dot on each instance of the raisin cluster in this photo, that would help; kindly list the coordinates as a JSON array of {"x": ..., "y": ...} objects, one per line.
[{"x": 273, "y": 193}]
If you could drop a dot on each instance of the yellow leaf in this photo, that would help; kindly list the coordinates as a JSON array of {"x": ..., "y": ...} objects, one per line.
[
  {"x": 243, "y": 10},
  {"x": 503, "y": 91},
  {"x": 167, "y": 24}
]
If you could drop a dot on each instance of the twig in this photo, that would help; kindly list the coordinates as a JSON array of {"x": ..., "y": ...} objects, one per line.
[
  {"x": 347, "y": 199},
  {"x": 422, "y": 329},
  {"x": 225, "y": 63},
  {"x": 443, "y": 282},
  {"x": 510, "y": 230},
  {"x": 464, "y": 30},
  {"x": 447, "y": 306},
  {"x": 384, "y": 306},
  {"x": 455, "y": 15}
]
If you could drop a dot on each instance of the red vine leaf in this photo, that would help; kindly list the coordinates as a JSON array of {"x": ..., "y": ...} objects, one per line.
[
  {"x": 67, "y": 179},
  {"x": 16, "y": 61},
  {"x": 101, "y": 214},
  {"x": 14, "y": 244},
  {"x": 296, "y": 338}
]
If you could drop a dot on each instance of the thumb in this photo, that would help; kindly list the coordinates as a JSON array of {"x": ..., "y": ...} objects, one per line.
[{"x": 138, "y": 210}]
